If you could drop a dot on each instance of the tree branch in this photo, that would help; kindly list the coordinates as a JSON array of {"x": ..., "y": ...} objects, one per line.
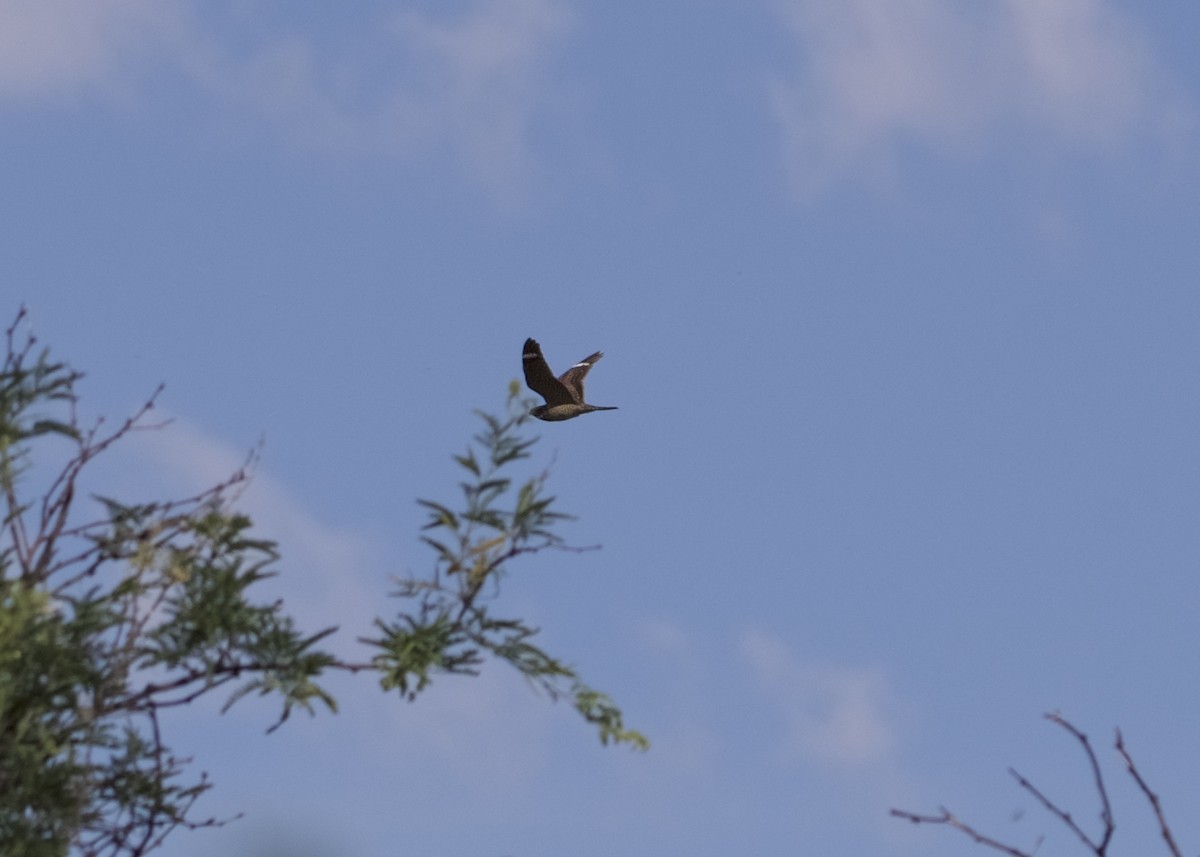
[
  {"x": 947, "y": 818},
  {"x": 1150, "y": 796}
]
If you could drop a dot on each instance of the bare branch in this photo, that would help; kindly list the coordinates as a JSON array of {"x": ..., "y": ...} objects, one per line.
[
  {"x": 1150, "y": 796},
  {"x": 56, "y": 503},
  {"x": 1106, "y": 808},
  {"x": 945, "y": 817},
  {"x": 1098, "y": 846},
  {"x": 1062, "y": 814}
]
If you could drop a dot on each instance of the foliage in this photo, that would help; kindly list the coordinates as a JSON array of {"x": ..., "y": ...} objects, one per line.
[
  {"x": 108, "y": 621},
  {"x": 112, "y": 613},
  {"x": 453, "y": 628}
]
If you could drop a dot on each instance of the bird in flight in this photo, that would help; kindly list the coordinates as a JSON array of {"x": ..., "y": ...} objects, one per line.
[{"x": 564, "y": 394}]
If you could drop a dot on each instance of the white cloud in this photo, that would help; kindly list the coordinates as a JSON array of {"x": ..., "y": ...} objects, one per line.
[
  {"x": 840, "y": 716},
  {"x": 485, "y": 75},
  {"x": 841, "y": 725},
  {"x": 666, "y": 636},
  {"x": 328, "y": 575},
  {"x": 467, "y": 86},
  {"x": 63, "y": 47},
  {"x": 490, "y": 734},
  {"x": 416, "y": 86},
  {"x": 949, "y": 74}
]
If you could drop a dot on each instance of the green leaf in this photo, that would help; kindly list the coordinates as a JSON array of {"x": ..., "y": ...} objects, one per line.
[
  {"x": 41, "y": 427},
  {"x": 442, "y": 516},
  {"x": 468, "y": 461}
]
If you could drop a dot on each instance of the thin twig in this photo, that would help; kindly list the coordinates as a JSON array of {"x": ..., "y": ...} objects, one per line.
[
  {"x": 1150, "y": 796},
  {"x": 1106, "y": 814},
  {"x": 950, "y": 820},
  {"x": 1098, "y": 847},
  {"x": 37, "y": 561},
  {"x": 1063, "y": 815}
]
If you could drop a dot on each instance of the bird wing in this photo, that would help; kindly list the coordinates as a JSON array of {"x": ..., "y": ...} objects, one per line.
[
  {"x": 572, "y": 379},
  {"x": 540, "y": 379}
]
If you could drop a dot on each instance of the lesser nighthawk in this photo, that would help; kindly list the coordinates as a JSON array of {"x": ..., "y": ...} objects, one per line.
[{"x": 564, "y": 394}]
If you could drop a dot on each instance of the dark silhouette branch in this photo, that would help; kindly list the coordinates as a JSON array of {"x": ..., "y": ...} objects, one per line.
[
  {"x": 1163, "y": 828},
  {"x": 1098, "y": 846},
  {"x": 947, "y": 818}
]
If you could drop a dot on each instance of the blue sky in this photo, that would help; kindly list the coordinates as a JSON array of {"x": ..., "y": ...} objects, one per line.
[{"x": 899, "y": 303}]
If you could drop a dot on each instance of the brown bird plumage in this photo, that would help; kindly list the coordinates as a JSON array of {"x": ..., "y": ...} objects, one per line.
[{"x": 564, "y": 394}]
